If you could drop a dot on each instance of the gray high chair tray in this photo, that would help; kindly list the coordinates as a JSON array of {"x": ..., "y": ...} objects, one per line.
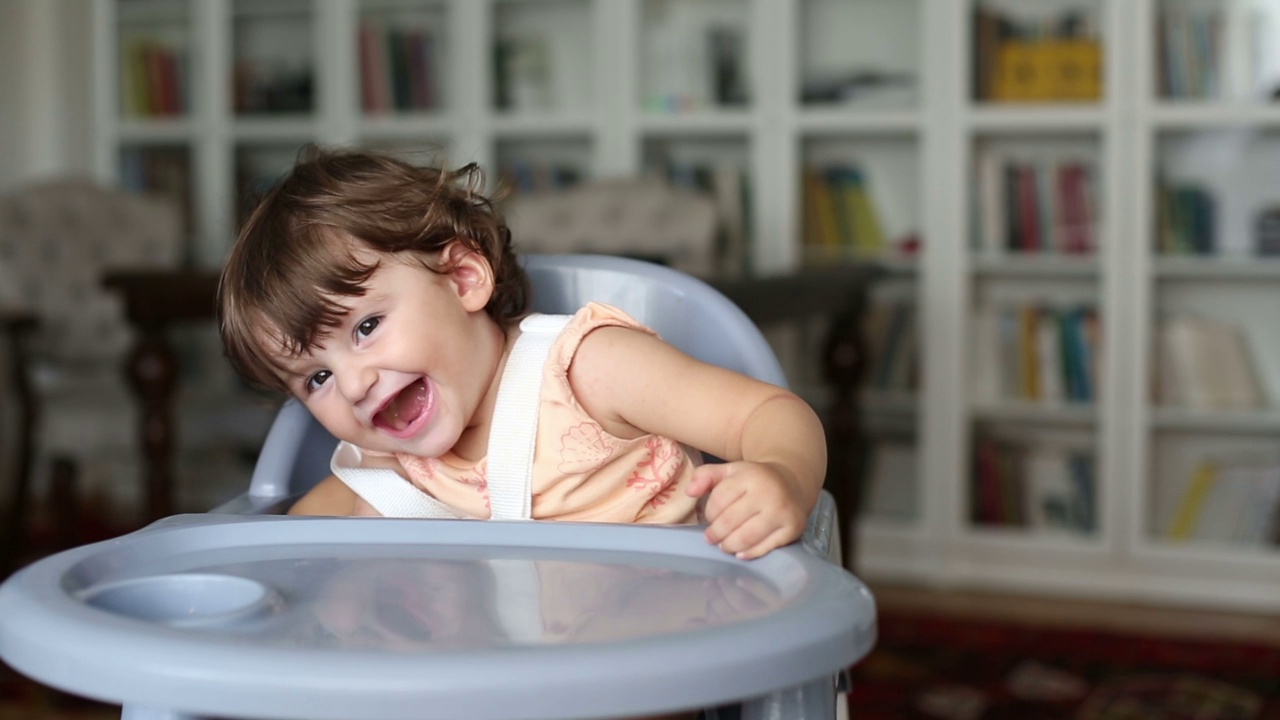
[{"x": 288, "y": 617}]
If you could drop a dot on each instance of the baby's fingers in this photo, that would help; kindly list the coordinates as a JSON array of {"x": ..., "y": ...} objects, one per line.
[
  {"x": 771, "y": 542},
  {"x": 747, "y": 538},
  {"x": 726, "y": 520},
  {"x": 705, "y": 479}
]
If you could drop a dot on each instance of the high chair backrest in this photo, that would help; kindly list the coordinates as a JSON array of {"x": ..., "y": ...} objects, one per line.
[{"x": 685, "y": 311}]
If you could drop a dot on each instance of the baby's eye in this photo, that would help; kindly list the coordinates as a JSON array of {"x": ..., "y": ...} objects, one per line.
[
  {"x": 315, "y": 381},
  {"x": 366, "y": 327}
]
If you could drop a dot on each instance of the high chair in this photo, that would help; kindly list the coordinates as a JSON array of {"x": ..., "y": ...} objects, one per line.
[{"x": 246, "y": 613}]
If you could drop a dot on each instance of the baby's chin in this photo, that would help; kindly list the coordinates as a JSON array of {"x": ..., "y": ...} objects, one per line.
[{"x": 432, "y": 446}]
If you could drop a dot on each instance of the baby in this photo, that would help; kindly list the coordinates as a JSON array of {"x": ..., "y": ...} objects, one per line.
[{"x": 386, "y": 297}]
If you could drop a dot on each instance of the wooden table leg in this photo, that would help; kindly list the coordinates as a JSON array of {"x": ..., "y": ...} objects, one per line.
[
  {"x": 155, "y": 301},
  {"x": 15, "y": 330},
  {"x": 152, "y": 371}
]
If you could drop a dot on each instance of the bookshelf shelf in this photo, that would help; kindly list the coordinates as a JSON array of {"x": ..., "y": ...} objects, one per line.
[
  {"x": 853, "y": 121},
  {"x": 1009, "y": 411},
  {"x": 407, "y": 126},
  {"x": 1210, "y": 115},
  {"x": 1233, "y": 556},
  {"x": 542, "y": 125},
  {"x": 733, "y": 121},
  {"x": 144, "y": 132},
  {"x": 1264, "y": 422},
  {"x": 1015, "y": 540},
  {"x": 1036, "y": 266},
  {"x": 1039, "y": 119},
  {"x": 290, "y": 129},
  {"x": 1217, "y": 269}
]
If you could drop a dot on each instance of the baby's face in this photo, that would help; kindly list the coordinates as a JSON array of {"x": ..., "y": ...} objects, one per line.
[{"x": 405, "y": 370}]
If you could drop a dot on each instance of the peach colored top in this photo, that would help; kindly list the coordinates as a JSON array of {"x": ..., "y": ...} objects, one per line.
[{"x": 580, "y": 472}]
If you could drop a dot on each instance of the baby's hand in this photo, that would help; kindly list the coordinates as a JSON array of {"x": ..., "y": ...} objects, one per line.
[{"x": 751, "y": 508}]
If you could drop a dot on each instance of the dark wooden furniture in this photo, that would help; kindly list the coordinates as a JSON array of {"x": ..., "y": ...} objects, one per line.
[
  {"x": 156, "y": 300},
  {"x": 17, "y": 325}
]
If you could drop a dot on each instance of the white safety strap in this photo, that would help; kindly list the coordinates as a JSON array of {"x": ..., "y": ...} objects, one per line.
[
  {"x": 383, "y": 488},
  {"x": 514, "y": 429}
]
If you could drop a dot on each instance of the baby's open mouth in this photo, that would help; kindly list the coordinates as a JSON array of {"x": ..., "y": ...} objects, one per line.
[{"x": 404, "y": 408}]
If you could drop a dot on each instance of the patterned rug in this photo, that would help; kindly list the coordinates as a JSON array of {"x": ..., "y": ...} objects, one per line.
[
  {"x": 22, "y": 699},
  {"x": 940, "y": 668}
]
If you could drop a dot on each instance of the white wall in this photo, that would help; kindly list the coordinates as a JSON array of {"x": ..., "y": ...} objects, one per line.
[{"x": 45, "y": 81}]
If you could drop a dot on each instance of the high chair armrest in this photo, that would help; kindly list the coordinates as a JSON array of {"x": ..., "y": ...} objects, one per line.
[{"x": 822, "y": 535}]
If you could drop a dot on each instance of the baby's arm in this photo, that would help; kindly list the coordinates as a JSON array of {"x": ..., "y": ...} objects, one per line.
[{"x": 633, "y": 383}]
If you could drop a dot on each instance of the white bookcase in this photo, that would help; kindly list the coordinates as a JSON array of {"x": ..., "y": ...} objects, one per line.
[{"x": 878, "y": 90}]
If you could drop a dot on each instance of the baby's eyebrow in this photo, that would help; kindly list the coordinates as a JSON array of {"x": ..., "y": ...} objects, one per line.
[{"x": 292, "y": 365}]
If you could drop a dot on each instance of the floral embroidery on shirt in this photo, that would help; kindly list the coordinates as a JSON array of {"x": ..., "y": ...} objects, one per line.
[
  {"x": 429, "y": 468},
  {"x": 583, "y": 449},
  {"x": 664, "y": 494},
  {"x": 480, "y": 479},
  {"x": 655, "y": 473}
]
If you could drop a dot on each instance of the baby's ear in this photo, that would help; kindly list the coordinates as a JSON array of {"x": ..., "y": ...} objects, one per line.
[{"x": 470, "y": 274}]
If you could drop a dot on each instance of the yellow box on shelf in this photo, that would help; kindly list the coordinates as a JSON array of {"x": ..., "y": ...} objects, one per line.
[{"x": 1047, "y": 70}]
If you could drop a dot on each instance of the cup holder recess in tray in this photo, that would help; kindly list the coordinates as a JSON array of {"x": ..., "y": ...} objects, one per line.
[{"x": 183, "y": 599}]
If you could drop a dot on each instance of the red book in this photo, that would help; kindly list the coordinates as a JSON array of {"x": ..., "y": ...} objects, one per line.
[
  {"x": 156, "y": 102},
  {"x": 368, "y": 42},
  {"x": 171, "y": 91}
]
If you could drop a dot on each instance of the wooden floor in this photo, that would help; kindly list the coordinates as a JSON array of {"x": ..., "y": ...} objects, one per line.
[{"x": 1130, "y": 618}]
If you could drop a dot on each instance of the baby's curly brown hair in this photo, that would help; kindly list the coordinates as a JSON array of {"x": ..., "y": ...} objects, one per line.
[{"x": 294, "y": 254}]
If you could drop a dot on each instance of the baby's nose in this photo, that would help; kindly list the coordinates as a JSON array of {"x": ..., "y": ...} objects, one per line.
[{"x": 356, "y": 382}]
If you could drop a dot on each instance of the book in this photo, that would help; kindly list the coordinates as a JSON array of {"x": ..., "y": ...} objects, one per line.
[
  {"x": 987, "y": 33},
  {"x": 993, "y": 232},
  {"x": 1029, "y": 482},
  {"x": 1029, "y": 351},
  {"x": 1011, "y": 366},
  {"x": 1049, "y": 356},
  {"x": 868, "y": 236},
  {"x": 898, "y": 346},
  {"x": 987, "y": 349},
  {"x": 1205, "y": 364},
  {"x": 728, "y": 188},
  {"x": 1193, "y": 499},
  {"x": 1038, "y": 204},
  {"x": 1083, "y": 475},
  {"x": 1028, "y": 210},
  {"x": 1229, "y": 501},
  {"x": 374, "y": 95},
  {"x": 726, "y": 54},
  {"x": 1056, "y": 496},
  {"x": 826, "y": 221}
]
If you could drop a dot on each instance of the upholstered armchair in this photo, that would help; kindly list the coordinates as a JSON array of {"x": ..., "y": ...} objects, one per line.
[
  {"x": 642, "y": 218},
  {"x": 70, "y": 424}
]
